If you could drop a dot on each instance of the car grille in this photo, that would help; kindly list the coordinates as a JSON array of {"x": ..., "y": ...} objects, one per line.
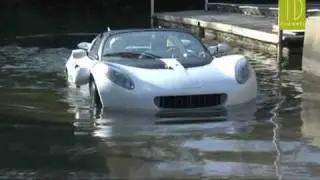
[{"x": 190, "y": 101}]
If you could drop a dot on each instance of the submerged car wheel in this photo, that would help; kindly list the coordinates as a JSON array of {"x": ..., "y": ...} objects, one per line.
[
  {"x": 67, "y": 76},
  {"x": 95, "y": 101}
]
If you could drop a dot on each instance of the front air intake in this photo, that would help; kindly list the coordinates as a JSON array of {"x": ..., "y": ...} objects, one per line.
[{"x": 190, "y": 101}]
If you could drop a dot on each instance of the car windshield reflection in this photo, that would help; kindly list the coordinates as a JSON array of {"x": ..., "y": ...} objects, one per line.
[{"x": 155, "y": 44}]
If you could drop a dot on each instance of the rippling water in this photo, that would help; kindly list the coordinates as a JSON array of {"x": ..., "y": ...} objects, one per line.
[{"x": 266, "y": 140}]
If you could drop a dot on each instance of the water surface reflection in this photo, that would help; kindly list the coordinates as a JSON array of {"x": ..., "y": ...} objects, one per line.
[{"x": 270, "y": 141}]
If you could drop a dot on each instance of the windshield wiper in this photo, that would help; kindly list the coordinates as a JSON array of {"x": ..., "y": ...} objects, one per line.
[
  {"x": 118, "y": 54},
  {"x": 130, "y": 53}
]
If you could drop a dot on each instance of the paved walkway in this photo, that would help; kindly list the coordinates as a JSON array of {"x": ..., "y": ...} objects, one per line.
[
  {"x": 250, "y": 22},
  {"x": 253, "y": 27},
  {"x": 259, "y": 9}
]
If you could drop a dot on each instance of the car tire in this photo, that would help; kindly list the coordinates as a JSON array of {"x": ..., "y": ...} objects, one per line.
[
  {"x": 66, "y": 74},
  {"x": 67, "y": 77},
  {"x": 95, "y": 101}
]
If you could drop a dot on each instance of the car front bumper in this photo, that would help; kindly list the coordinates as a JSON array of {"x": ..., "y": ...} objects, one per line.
[{"x": 115, "y": 98}]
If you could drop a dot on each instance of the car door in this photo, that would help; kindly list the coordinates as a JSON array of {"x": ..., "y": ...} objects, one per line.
[{"x": 84, "y": 64}]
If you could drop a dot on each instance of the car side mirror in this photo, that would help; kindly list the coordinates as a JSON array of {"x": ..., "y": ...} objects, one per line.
[
  {"x": 79, "y": 53},
  {"x": 220, "y": 48},
  {"x": 84, "y": 45}
]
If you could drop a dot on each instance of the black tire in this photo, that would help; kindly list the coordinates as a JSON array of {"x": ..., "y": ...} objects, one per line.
[
  {"x": 66, "y": 74},
  {"x": 67, "y": 77},
  {"x": 95, "y": 101}
]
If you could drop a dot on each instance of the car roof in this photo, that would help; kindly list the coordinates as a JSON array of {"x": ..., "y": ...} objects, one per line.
[{"x": 112, "y": 32}]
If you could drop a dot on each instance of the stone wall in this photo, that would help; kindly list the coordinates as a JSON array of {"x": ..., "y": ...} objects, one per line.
[
  {"x": 310, "y": 103},
  {"x": 311, "y": 49},
  {"x": 311, "y": 81}
]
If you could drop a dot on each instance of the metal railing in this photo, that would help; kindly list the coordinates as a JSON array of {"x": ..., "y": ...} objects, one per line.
[
  {"x": 313, "y": 8},
  {"x": 152, "y": 13},
  {"x": 207, "y": 3}
]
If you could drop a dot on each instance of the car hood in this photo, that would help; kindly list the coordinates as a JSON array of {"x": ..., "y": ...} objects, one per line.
[
  {"x": 174, "y": 75},
  {"x": 157, "y": 63}
]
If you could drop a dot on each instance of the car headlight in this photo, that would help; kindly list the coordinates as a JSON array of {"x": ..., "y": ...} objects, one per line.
[
  {"x": 242, "y": 71},
  {"x": 120, "y": 78}
]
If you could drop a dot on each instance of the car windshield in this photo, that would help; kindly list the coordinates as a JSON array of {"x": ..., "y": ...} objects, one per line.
[{"x": 155, "y": 44}]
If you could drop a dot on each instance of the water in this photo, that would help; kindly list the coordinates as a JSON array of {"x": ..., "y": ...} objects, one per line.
[{"x": 277, "y": 141}]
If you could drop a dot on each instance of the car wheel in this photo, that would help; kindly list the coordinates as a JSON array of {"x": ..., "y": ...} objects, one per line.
[
  {"x": 67, "y": 76},
  {"x": 95, "y": 101}
]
